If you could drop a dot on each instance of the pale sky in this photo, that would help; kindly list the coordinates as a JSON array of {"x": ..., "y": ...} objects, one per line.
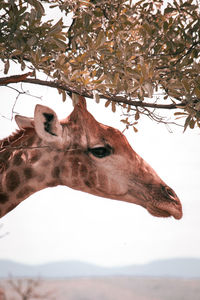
[{"x": 63, "y": 224}]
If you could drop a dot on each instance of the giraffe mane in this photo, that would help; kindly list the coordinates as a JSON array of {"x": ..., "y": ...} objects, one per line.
[
  {"x": 13, "y": 143},
  {"x": 8, "y": 141}
]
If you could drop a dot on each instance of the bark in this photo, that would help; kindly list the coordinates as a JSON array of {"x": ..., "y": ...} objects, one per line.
[{"x": 69, "y": 90}]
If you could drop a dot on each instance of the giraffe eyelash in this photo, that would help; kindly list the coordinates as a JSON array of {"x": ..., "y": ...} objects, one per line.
[{"x": 101, "y": 152}]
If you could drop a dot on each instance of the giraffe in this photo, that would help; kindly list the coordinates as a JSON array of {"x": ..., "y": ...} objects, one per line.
[{"x": 80, "y": 153}]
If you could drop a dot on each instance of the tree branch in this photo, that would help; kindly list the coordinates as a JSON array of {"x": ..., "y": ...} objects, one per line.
[
  {"x": 14, "y": 78},
  {"x": 70, "y": 90},
  {"x": 117, "y": 99},
  {"x": 187, "y": 52}
]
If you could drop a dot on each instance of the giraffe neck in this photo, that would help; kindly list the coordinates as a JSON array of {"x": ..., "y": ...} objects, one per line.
[{"x": 25, "y": 168}]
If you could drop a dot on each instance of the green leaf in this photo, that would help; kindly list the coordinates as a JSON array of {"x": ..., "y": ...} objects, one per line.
[
  {"x": 23, "y": 65},
  {"x": 56, "y": 28},
  {"x": 60, "y": 44},
  {"x": 165, "y": 26},
  {"x": 32, "y": 41},
  {"x": 86, "y": 20},
  {"x": 186, "y": 85},
  {"x": 107, "y": 103},
  {"x": 179, "y": 113},
  {"x": 187, "y": 122},
  {"x": 64, "y": 96},
  {"x": 6, "y": 66},
  {"x": 96, "y": 97},
  {"x": 192, "y": 124},
  {"x": 197, "y": 92},
  {"x": 38, "y": 6},
  {"x": 137, "y": 115},
  {"x": 135, "y": 129},
  {"x": 100, "y": 39},
  {"x": 113, "y": 106},
  {"x": 168, "y": 10}
]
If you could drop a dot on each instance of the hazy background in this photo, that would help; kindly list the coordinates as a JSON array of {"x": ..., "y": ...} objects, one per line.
[{"x": 62, "y": 224}]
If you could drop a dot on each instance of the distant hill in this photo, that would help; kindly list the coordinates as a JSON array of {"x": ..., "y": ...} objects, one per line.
[{"x": 185, "y": 268}]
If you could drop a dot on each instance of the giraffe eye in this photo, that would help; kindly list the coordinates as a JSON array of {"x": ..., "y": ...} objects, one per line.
[{"x": 101, "y": 152}]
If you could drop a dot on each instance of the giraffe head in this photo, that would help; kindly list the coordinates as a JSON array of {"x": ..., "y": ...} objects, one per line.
[{"x": 98, "y": 159}]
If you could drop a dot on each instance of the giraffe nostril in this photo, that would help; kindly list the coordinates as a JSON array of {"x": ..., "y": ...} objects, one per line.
[{"x": 169, "y": 193}]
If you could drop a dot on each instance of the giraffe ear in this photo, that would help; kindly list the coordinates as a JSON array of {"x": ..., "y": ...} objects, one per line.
[
  {"x": 47, "y": 125},
  {"x": 24, "y": 122}
]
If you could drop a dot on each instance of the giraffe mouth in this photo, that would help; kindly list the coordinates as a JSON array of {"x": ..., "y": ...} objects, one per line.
[
  {"x": 164, "y": 207},
  {"x": 165, "y": 210}
]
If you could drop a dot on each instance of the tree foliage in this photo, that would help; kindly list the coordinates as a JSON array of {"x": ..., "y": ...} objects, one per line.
[
  {"x": 28, "y": 288},
  {"x": 140, "y": 55}
]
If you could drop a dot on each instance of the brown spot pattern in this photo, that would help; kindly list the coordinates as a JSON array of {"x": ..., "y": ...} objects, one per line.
[
  {"x": 35, "y": 156},
  {"x": 56, "y": 157},
  {"x": 3, "y": 198},
  {"x": 75, "y": 166},
  {"x": 4, "y": 165},
  {"x": 30, "y": 141},
  {"x": 75, "y": 146},
  {"x": 45, "y": 163},
  {"x": 17, "y": 160},
  {"x": 75, "y": 182},
  {"x": 5, "y": 155},
  {"x": 55, "y": 172},
  {"x": 92, "y": 179},
  {"x": 28, "y": 172},
  {"x": 88, "y": 183},
  {"x": 12, "y": 180},
  {"x": 25, "y": 192},
  {"x": 83, "y": 171},
  {"x": 64, "y": 169},
  {"x": 40, "y": 177}
]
